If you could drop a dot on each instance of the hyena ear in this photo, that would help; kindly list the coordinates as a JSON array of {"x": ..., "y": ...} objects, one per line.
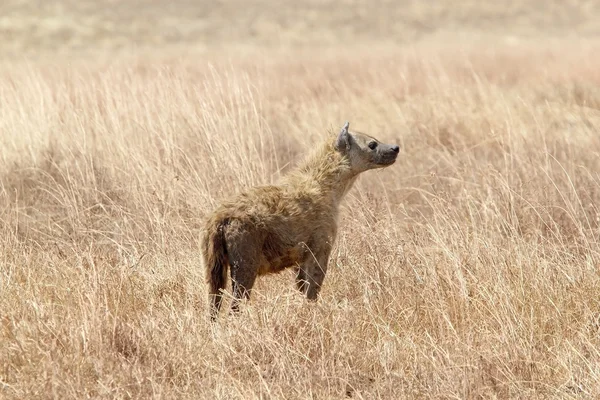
[{"x": 342, "y": 143}]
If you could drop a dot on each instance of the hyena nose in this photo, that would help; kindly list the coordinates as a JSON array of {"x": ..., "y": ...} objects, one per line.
[{"x": 396, "y": 149}]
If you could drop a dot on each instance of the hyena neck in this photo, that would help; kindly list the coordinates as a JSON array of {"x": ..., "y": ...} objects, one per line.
[{"x": 328, "y": 171}]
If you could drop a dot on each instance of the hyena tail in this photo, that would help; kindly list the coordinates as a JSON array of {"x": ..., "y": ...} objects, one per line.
[{"x": 215, "y": 261}]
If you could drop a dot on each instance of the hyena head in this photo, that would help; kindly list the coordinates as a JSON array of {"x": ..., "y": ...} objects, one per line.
[{"x": 365, "y": 152}]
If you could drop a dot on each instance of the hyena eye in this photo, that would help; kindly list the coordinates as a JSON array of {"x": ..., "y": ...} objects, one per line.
[{"x": 372, "y": 145}]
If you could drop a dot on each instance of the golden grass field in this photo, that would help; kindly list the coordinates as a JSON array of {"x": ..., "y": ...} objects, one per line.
[{"x": 469, "y": 269}]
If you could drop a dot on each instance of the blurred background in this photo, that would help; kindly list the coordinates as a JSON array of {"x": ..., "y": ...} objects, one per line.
[{"x": 34, "y": 27}]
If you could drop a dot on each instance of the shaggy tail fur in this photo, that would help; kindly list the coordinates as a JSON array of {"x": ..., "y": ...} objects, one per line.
[{"x": 215, "y": 262}]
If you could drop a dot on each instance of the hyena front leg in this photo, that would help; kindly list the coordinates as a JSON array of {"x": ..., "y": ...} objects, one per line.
[
  {"x": 311, "y": 273},
  {"x": 301, "y": 281}
]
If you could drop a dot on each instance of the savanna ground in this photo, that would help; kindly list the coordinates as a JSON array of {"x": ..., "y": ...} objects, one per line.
[{"x": 469, "y": 269}]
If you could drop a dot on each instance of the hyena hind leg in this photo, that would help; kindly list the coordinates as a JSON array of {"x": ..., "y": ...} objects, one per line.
[
  {"x": 244, "y": 260},
  {"x": 242, "y": 284}
]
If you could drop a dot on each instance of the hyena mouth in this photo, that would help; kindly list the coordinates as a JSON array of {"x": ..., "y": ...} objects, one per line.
[{"x": 389, "y": 160}]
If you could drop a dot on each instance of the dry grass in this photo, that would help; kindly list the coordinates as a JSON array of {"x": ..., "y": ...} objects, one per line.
[{"x": 469, "y": 269}]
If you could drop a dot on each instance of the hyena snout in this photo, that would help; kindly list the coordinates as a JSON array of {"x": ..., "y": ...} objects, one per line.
[{"x": 388, "y": 154}]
